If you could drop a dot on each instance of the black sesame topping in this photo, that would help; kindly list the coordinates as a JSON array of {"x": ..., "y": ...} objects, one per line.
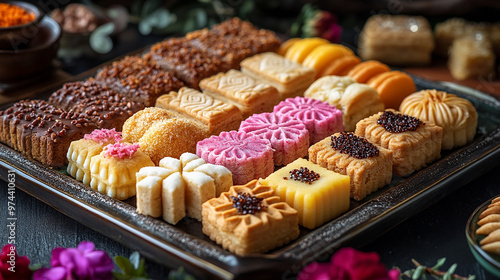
[
  {"x": 247, "y": 203},
  {"x": 304, "y": 175},
  {"x": 396, "y": 123},
  {"x": 355, "y": 146}
]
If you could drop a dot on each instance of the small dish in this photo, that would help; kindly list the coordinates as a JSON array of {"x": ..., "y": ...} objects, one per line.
[
  {"x": 489, "y": 261},
  {"x": 36, "y": 58},
  {"x": 19, "y": 36}
]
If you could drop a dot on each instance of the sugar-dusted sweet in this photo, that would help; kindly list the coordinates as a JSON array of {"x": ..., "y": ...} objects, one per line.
[
  {"x": 355, "y": 100},
  {"x": 455, "y": 115},
  {"x": 249, "y": 95},
  {"x": 317, "y": 193},
  {"x": 249, "y": 219},
  {"x": 320, "y": 118},
  {"x": 288, "y": 136},
  {"x": 213, "y": 113},
  {"x": 137, "y": 125},
  {"x": 81, "y": 151},
  {"x": 288, "y": 77},
  {"x": 368, "y": 166},
  {"x": 472, "y": 57},
  {"x": 413, "y": 143},
  {"x": 114, "y": 170},
  {"x": 393, "y": 87},
  {"x": 246, "y": 155},
  {"x": 396, "y": 40}
]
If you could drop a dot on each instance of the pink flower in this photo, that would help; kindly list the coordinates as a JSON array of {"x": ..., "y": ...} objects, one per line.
[
  {"x": 349, "y": 264},
  {"x": 12, "y": 266},
  {"x": 325, "y": 25},
  {"x": 78, "y": 263}
]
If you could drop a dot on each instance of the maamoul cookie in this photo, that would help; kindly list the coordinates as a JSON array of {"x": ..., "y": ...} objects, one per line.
[
  {"x": 397, "y": 40},
  {"x": 249, "y": 219},
  {"x": 317, "y": 193},
  {"x": 81, "y": 151},
  {"x": 246, "y": 155},
  {"x": 113, "y": 170},
  {"x": 368, "y": 166},
  {"x": 288, "y": 136},
  {"x": 413, "y": 143},
  {"x": 241, "y": 90},
  {"x": 471, "y": 56},
  {"x": 288, "y": 77},
  {"x": 211, "y": 112},
  {"x": 455, "y": 115},
  {"x": 356, "y": 101},
  {"x": 320, "y": 118},
  {"x": 392, "y": 87}
]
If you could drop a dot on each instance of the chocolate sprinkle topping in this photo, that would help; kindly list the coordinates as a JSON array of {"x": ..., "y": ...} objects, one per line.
[
  {"x": 397, "y": 123},
  {"x": 247, "y": 203},
  {"x": 355, "y": 146},
  {"x": 304, "y": 175}
]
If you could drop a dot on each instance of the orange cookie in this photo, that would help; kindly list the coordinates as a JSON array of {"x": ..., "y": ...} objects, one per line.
[
  {"x": 285, "y": 46},
  {"x": 301, "y": 49},
  {"x": 393, "y": 87},
  {"x": 341, "y": 66},
  {"x": 366, "y": 70}
]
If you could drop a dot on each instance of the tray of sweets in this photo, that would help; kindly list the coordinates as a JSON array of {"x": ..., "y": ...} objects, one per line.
[{"x": 185, "y": 244}]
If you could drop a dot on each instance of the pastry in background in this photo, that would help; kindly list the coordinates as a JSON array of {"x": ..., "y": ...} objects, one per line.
[
  {"x": 81, "y": 151},
  {"x": 241, "y": 90},
  {"x": 246, "y": 155},
  {"x": 212, "y": 113},
  {"x": 471, "y": 56},
  {"x": 366, "y": 70},
  {"x": 368, "y": 166},
  {"x": 356, "y": 101},
  {"x": 396, "y": 40},
  {"x": 114, "y": 170},
  {"x": 320, "y": 118},
  {"x": 288, "y": 77},
  {"x": 288, "y": 136},
  {"x": 249, "y": 219},
  {"x": 455, "y": 115},
  {"x": 317, "y": 193},
  {"x": 413, "y": 142},
  {"x": 392, "y": 87}
]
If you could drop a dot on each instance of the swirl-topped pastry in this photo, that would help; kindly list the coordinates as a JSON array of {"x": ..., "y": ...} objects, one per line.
[
  {"x": 288, "y": 136},
  {"x": 320, "y": 118},
  {"x": 246, "y": 155},
  {"x": 455, "y": 115},
  {"x": 249, "y": 219}
]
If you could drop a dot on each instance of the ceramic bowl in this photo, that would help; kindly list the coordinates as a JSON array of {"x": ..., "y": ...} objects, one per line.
[
  {"x": 36, "y": 58},
  {"x": 490, "y": 262},
  {"x": 19, "y": 36}
]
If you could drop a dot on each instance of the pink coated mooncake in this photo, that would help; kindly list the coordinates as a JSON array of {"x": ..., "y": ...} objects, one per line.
[
  {"x": 289, "y": 137},
  {"x": 320, "y": 118},
  {"x": 246, "y": 155}
]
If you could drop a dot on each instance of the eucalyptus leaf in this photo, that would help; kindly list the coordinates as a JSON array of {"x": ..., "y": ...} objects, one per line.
[
  {"x": 100, "y": 41},
  {"x": 439, "y": 263},
  {"x": 417, "y": 273}
]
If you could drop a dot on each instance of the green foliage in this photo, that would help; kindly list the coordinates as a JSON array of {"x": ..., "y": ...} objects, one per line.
[
  {"x": 133, "y": 268},
  {"x": 421, "y": 272},
  {"x": 179, "y": 274}
]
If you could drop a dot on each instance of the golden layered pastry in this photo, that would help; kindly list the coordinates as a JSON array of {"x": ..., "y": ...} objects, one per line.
[
  {"x": 489, "y": 225},
  {"x": 249, "y": 219},
  {"x": 413, "y": 143},
  {"x": 288, "y": 77},
  {"x": 317, "y": 193},
  {"x": 213, "y": 113},
  {"x": 243, "y": 91},
  {"x": 455, "y": 115},
  {"x": 396, "y": 40},
  {"x": 368, "y": 166},
  {"x": 355, "y": 100}
]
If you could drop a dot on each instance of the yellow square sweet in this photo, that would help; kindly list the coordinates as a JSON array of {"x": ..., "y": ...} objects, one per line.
[{"x": 317, "y": 193}]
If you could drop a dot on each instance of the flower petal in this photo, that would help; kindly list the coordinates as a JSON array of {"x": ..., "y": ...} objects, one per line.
[
  {"x": 101, "y": 264},
  {"x": 315, "y": 271},
  {"x": 76, "y": 263},
  {"x": 54, "y": 260},
  {"x": 55, "y": 273},
  {"x": 86, "y": 246}
]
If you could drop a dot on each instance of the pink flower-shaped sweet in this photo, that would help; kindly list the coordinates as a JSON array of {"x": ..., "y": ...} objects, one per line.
[
  {"x": 104, "y": 136},
  {"x": 288, "y": 136},
  {"x": 349, "y": 264},
  {"x": 120, "y": 150},
  {"x": 320, "y": 118},
  {"x": 246, "y": 155},
  {"x": 83, "y": 262},
  {"x": 13, "y": 266}
]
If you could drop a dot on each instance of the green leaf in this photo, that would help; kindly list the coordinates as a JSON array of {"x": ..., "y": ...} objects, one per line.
[
  {"x": 439, "y": 263},
  {"x": 417, "y": 273},
  {"x": 124, "y": 264},
  {"x": 135, "y": 259},
  {"x": 179, "y": 274},
  {"x": 452, "y": 269},
  {"x": 100, "y": 41}
]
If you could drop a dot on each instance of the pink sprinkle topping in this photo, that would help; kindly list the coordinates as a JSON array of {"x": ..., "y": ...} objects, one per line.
[
  {"x": 103, "y": 136},
  {"x": 120, "y": 150}
]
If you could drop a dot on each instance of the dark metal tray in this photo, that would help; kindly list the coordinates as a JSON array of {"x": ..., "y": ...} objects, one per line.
[{"x": 186, "y": 245}]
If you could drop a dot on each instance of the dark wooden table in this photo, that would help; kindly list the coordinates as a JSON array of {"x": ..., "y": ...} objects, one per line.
[{"x": 432, "y": 233}]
